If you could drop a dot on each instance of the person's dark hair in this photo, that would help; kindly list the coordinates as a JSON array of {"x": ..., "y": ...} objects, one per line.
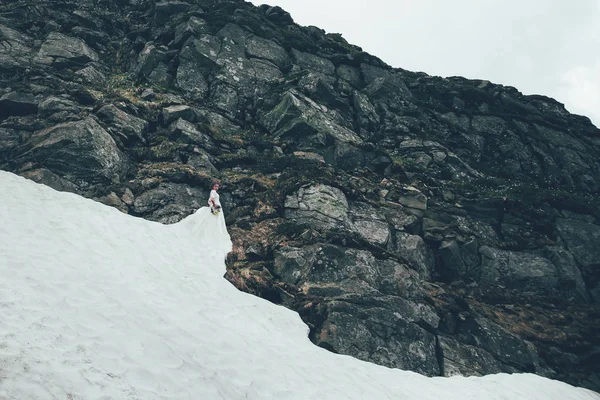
[{"x": 212, "y": 185}]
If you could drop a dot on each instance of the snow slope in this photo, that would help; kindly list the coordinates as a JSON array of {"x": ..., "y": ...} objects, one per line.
[{"x": 95, "y": 304}]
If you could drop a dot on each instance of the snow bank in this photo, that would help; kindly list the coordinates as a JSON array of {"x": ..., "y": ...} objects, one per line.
[{"x": 95, "y": 304}]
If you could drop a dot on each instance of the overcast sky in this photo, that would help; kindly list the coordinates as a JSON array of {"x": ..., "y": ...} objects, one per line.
[{"x": 549, "y": 47}]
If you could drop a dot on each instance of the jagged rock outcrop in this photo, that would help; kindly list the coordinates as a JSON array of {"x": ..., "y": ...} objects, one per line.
[{"x": 442, "y": 225}]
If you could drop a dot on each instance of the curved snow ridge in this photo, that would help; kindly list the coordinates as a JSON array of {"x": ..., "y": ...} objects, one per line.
[{"x": 96, "y": 304}]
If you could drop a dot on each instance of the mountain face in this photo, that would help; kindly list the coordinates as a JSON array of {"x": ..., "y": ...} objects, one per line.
[{"x": 440, "y": 225}]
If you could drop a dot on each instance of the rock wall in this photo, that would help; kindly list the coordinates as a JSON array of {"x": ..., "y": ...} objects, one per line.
[{"x": 442, "y": 225}]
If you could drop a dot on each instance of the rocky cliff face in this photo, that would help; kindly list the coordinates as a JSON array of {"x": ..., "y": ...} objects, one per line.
[{"x": 446, "y": 226}]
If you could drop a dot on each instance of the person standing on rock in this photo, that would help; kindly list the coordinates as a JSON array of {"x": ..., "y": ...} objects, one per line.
[{"x": 213, "y": 201}]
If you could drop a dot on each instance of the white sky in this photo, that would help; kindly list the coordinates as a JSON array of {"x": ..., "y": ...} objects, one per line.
[{"x": 549, "y": 47}]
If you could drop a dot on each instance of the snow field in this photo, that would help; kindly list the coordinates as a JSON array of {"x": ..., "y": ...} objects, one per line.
[{"x": 96, "y": 304}]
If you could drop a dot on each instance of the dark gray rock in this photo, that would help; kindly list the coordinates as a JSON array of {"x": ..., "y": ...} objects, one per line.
[
  {"x": 152, "y": 58},
  {"x": 93, "y": 77},
  {"x": 411, "y": 197},
  {"x": 418, "y": 255},
  {"x": 186, "y": 132},
  {"x": 571, "y": 285},
  {"x": 392, "y": 90},
  {"x": 452, "y": 265},
  {"x": 80, "y": 150},
  {"x": 327, "y": 270},
  {"x": 532, "y": 271},
  {"x": 504, "y": 346},
  {"x": 225, "y": 98},
  {"x": 9, "y": 141},
  {"x": 320, "y": 206},
  {"x": 65, "y": 51},
  {"x": 202, "y": 161},
  {"x": 95, "y": 39},
  {"x": 379, "y": 334},
  {"x": 459, "y": 260},
  {"x": 192, "y": 71},
  {"x": 268, "y": 50},
  {"x": 401, "y": 218},
  {"x": 299, "y": 119},
  {"x": 350, "y": 75},
  {"x": 129, "y": 128},
  {"x": 581, "y": 239},
  {"x": 348, "y": 157},
  {"x": 165, "y": 9},
  {"x": 366, "y": 113},
  {"x": 15, "y": 50},
  {"x": 169, "y": 203},
  {"x": 51, "y": 179},
  {"x": 87, "y": 19},
  {"x": 15, "y": 103},
  {"x": 369, "y": 223},
  {"x": 320, "y": 88},
  {"x": 307, "y": 61},
  {"x": 465, "y": 360},
  {"x": 175, "y": 112},
  {"x": 58, "y": 109},
  {"x": 194, "y": 26}
]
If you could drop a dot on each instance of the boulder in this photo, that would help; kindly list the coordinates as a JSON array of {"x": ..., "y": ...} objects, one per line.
[
  {"x": 93, "y": 77},
  {"x": 194, "y": 26},
  {"x": 546, "y": 272},
  {"x": 310, "y": 156},
  {"x": 348, "y": 157},
  {"x": 95, "y": 39},
  {"x": 79, "y": 150},
  {"x": 401, "y": 218},
  {"x": 16, "y": 103},
  {"x": 297, "y": 119},
  {"x": 65, "y": 51},
  {"x": 177, "y": 111},
  {"x": 320, "y": 206},
  {"x": 192, "y": 71},
  {"x": 311, "y": 62},
  {"x": 365, "y": 111},
  {"x": 268, "y": 50},
  {"x": 320, "y": 88},
  {"x": 412, "y": 198},
  {"x": 202, "y": 161},
  {"x": 9, "y": 141},
  {"x": 415, "y": 251},
  {"x": 151, "y": 58},
  {"x": 466, "y": 360},
  {"x": 169, "y": 203},
  {"x": 350, "y": 75},
  {"x": 328, "y": 270},
  {"x": 48, "y": 178},
  {"x": 131, "y": 129},
  {"x": 571, "y": 284},
  {"x": 452, "y": 266},
  {"x": 581, "y": 238},
  {"x": 58, "y": 109},
  {"x": 378, "y": 334},
  {"x": 184, "y": 131},
  {"x": 504, "y": 346},
  {"x": 15, "y": 50},
  {"x": 165, "y": 9},
  {"x": 390, "y": 90},
  {"x": 369, "y": 223},
  {"x": 224, "y": 59}
]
